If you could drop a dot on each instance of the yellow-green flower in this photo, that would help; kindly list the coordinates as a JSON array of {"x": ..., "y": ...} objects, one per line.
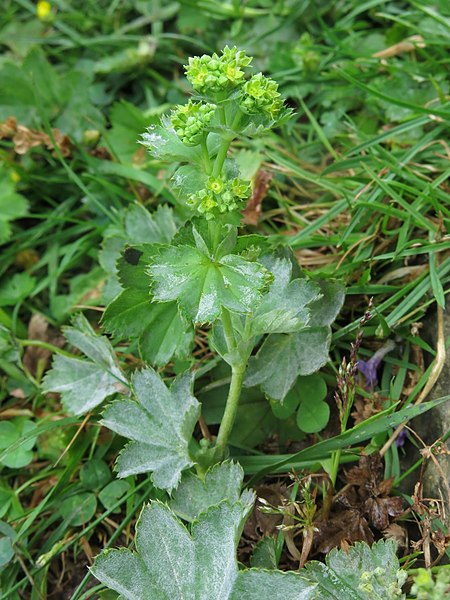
[
  {"x": 212, "y": 74},
  {"x": 261, "y": 95},
  {"x": 190, "y": 121},
  {"x": 220, "y": 196},
  {"x": 215, "y": 184}
]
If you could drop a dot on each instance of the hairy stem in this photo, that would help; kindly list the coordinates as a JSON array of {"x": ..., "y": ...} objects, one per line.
[
  {"x": 226, "y": 142},
  {"x": 206, "y": 154},
  {"x": 228, "y": 329},
  {"x": 221, "y": 156},
  {"x": 237, "y": 378}
]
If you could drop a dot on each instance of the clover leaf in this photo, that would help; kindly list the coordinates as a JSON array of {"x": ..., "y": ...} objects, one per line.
[{"x": 160, "y": 422}]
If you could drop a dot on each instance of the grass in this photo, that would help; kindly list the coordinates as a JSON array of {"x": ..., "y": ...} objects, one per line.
[{"x": 360, "y": 191}]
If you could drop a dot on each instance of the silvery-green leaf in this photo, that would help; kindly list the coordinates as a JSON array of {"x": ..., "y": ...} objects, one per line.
[
  {"x": 84, "y": 384},
  {"x": 173, "y": 563},
  {"x": 362, "y": 572},
  {"x": 194, "y": 496},
  {"x": 283, "y": 357},
  {"x": 164, "y": 144},
  {"x": 160, "y": 422},
  {"x": 325, "y": 309},
  {"x": 202, "y": 285},
  {"x": 256, "y": 584},
  {"x": 285, "y": 307}
]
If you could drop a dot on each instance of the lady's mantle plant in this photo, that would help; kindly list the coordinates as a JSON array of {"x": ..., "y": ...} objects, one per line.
[
  {"x": 175, "y": 279},
  {"x": 205, "y": 273}
]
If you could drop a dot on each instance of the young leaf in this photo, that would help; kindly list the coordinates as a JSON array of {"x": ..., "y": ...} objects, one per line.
[
  {"x": 282, "y": 358},
  {"x": 284, "y": 307},
  {"x": 203, "y": 285},
  {"x": 84, "y": 384},
  {"x": 163, "y": 143},
  {"x": 172, "y": 562},
  {"x": 194, "y": 496},
  {"x": 362, "y": 572},
  {"x": 160, "y": 423}
]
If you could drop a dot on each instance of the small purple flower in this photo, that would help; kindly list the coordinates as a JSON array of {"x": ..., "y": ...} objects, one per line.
[
  {"x": 401, "y": 438},
  {"x": 369, "y": 367}
]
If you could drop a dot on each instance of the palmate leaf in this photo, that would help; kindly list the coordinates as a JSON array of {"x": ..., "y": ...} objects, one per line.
[
  {"x": 159, "y": 328},
  {"x": 200, "y": 564},
  {"x": 163, "y": 143},
  {"x": 222, "y": 481},
  {"x": 202, "y": 285},
  {"x": 160, "y": 423},
  {"x": 284, "y": 309},
  {"x": 282, "y": 358},
  {"x": 362, "y": 572},
  {"x": 84, "y": 384}
]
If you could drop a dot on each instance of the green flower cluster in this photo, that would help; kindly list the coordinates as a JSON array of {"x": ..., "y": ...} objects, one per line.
[
  {"x": 368, "y": 578},
  {"x": 260, "y": 94},
  {"x": 219, "y": 196},
  {"x": 190, "y": 121},
  {"x": 217, "y": 73}
]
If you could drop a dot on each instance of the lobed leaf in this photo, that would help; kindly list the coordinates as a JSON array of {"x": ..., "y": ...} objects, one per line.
[
  {"x": 282, "y": 358},
  {"x": 194, "y": 496},
  {"x": 160, "y": 423},
  {"x": 84, "y": 384},
  {"x": 362, "y": 572},
  {"x": 284, "y": 309},
  {"x": 161, "y": 330},
  {"x": 200, "y": 564},
  {"x": 202, "y": 285}
]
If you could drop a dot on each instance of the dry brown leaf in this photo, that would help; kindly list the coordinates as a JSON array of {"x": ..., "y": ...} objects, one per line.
[
  {"x": 344, "y": 526},
  {"x": 408, "y": 45},
  {"x": 252, "y": 212},
  {"x": 8, "y": 128},
  {"x": 398, "y": 533},
  {"x": 35, "y": 358},
  {"x": 24, "y": 138}
]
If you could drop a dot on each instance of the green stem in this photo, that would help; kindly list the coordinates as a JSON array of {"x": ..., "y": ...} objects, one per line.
[
  {"x": 206, "y": 154},
  {"x": 227, "y": 325},
  {"x": 237, "y": 378},
  {"x": 47, "y": 346},
  {"x": 221, "y": 156},
  {"x": 237, "y": 119}
]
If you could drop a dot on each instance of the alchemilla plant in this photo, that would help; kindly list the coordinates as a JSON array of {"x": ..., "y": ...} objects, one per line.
[{"x": 267, "y": 320}]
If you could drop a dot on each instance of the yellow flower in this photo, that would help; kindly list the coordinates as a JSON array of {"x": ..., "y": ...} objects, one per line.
[{"x": 43, "y": 10}]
